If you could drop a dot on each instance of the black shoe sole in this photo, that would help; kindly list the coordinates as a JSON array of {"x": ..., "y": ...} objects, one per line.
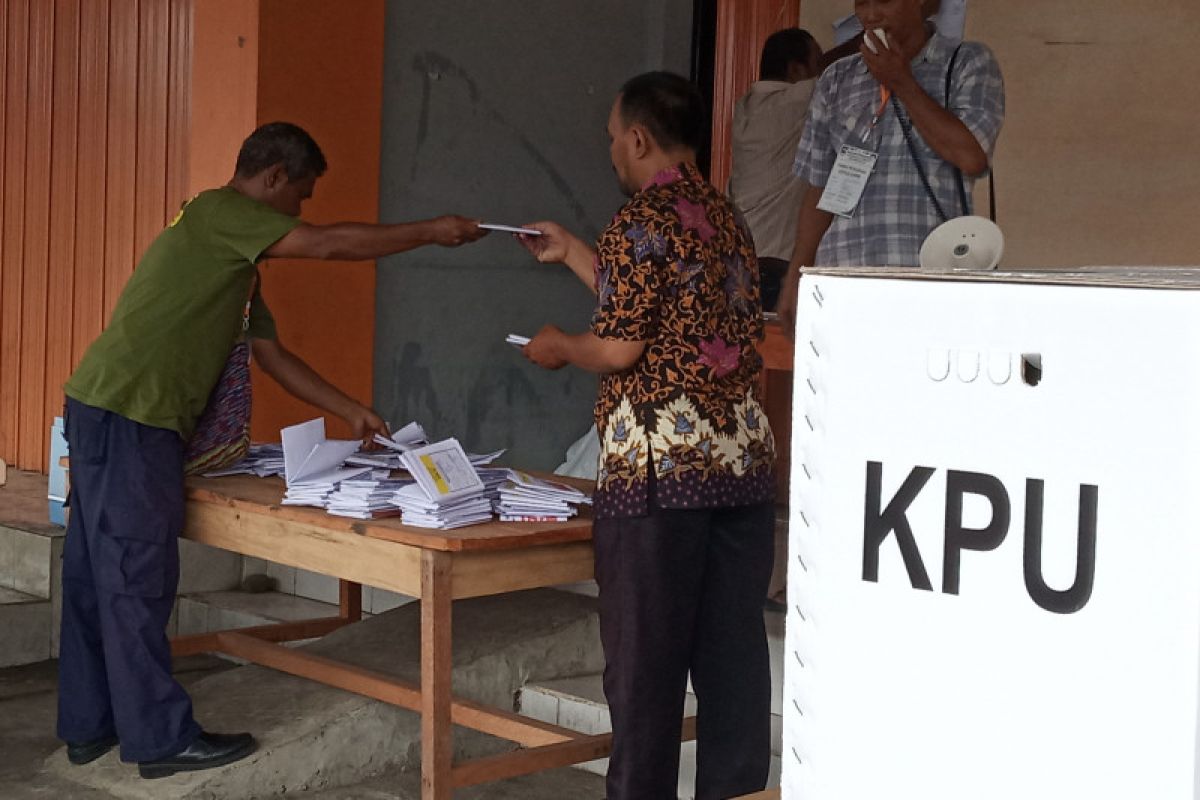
[
  {"x": 82, "y": 756},
  {"x": 154, "y": 771}
]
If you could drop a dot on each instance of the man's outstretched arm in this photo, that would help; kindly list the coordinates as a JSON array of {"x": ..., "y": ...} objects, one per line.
[
  {"x": 356, "y": 241},
  {"x": 302, "y": 381}
]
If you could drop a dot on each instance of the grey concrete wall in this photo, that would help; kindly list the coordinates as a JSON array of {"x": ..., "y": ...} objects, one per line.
[{"x": 498, "y": 110}]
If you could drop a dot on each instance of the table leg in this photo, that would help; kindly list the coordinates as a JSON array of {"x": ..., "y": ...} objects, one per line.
[
  {"x": 437, "y": 738},
  {"x": 350, "y": 600}
]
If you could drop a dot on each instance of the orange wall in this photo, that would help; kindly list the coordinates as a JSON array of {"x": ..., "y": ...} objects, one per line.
[
  {"x": 93, "y": 115},
  {"x": 224, "y": 88},
  {"x": 321, "y": 66}
]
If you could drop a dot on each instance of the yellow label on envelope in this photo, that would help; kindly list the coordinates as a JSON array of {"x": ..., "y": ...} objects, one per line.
[{"x": 436, "y": 474}]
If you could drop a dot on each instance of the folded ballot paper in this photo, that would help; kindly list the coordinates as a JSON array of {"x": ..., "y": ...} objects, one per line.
[
  {"x": 262, "y": 460},
  {"x": 312, "y": 464},
  {"x": 448, "y": 492}
]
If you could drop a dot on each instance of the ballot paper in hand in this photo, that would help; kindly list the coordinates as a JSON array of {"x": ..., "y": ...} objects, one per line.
[
  {"x": 443, "y": 471},
  {"x": 493, "y": 226},
  {"x": 310, "y": 458}
]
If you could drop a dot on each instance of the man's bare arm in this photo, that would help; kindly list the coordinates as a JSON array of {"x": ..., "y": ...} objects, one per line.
[
  {"x": 940, "y": 129},
  {"x": 810, "y": 229},
  {"x": 302, "y": 381},
  {"x": 356, "y": 241},
  {"x": 554, "y": 349}
]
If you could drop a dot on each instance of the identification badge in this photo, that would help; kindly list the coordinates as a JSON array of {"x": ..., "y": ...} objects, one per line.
[{"x": 847, "y": 181}]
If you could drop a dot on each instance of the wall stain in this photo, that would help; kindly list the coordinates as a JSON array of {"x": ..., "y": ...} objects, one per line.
[
  {"x": 433, "y": 66},
  {"x": 413, "y": 394},
  {"x": 508, "y": 395}
]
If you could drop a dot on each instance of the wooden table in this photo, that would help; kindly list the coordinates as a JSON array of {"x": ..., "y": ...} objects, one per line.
[{"x": 242, "y": 514}]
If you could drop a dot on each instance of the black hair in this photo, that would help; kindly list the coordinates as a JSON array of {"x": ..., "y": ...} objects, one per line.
[
  {"x": 281, "y": 143},
  {"x": 782, "y": 48},
  {"x": 669, "y": 106}
]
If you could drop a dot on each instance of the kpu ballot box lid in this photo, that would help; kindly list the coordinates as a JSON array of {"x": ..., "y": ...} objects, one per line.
[
  {"x": 994, "y": 556},
  {"x": 1120, "y": 277}
]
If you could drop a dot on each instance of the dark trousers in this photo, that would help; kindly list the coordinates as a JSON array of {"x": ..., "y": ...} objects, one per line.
[
  {"x": 120, "y": 572},
  {"x": 771, "y": 273},
  {"x": 683, "y": 590}
]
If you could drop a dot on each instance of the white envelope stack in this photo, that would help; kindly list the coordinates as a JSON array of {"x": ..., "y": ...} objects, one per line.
[
  {"x": 448, "y": 492},
  {"x": 524, "y": 498},
  {"x": 366, "y": 497}
]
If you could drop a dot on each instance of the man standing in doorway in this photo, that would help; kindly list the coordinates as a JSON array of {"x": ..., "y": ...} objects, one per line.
[
  {"x": 887, "y": 155},
  {"x": 767, "y": 122},
  {"x": 133, "y": 404},
  {"x": 684, "y": 512}
]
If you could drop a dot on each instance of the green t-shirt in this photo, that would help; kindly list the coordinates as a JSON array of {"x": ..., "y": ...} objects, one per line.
[{"x": 181, "y": 312}]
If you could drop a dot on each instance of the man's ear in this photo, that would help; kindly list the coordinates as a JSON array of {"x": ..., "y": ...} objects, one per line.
[
  {"x": 641, "y": 140},
  {"x": 275, "y": 177}
]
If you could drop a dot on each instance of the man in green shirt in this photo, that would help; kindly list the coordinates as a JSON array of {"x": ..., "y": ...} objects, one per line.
[{"x": 132, "y": 406}]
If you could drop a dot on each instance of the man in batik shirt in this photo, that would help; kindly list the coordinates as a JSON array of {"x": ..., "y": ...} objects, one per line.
[{"x": 684, "y": 498}]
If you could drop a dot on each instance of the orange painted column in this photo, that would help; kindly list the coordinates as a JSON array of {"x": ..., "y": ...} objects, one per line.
[{"x": 319, "y": 65}]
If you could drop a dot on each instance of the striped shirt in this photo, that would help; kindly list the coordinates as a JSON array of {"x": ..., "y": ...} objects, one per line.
[{"x": 895, "y": 213}]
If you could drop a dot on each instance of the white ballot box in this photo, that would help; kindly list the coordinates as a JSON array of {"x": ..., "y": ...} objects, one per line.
[{"x": 994, "y": 564}]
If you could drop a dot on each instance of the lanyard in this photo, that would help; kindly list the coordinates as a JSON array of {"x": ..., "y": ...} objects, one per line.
[{"x": 885, "y": 94}]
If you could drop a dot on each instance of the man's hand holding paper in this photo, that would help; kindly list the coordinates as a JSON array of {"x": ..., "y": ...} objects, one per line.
[{"x": 545, "y": 348}]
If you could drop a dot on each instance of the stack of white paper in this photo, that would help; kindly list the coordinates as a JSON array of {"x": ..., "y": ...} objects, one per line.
[
  {"x": 524, "y": 498},
  {"x": 493, "y": 478},
  {"x": 313, "y": 464},
  {"x": 263, "y": 460},
  {"x": 366, "y": 497},
  {"x": 418, "y": 510},
  {"x": 375, "y": 459},
  {"x": 448, "y": 493}
]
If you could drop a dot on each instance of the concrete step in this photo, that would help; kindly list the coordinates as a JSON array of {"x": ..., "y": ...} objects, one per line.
[
  {"x": 315, "y": 737},
  {"x": 579, "y": 704},
  {"x": 31, "y": 565},
  {"x": 28, "y": 556},
  {"x": 25, "y": 628}
]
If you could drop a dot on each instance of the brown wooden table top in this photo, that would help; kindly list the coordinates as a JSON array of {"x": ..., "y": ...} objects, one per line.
[{"x": 263, "y": 495}]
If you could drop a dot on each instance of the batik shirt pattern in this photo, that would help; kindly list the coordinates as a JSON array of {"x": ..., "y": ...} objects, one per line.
[{"x": 676, "y": 269}]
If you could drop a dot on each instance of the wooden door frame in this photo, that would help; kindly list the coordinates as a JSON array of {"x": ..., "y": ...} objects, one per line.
[{"x": 742, "y": 28}]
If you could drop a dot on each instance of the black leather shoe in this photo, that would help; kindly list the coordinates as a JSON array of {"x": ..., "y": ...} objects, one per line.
[
  {"x": 87, "y": 752},
  {"x": 209, "y": 750}
]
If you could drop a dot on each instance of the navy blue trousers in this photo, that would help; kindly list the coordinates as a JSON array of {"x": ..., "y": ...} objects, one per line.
[
  {"x": 120, "y": 572},
  {"x": 682, "y": 591}
]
